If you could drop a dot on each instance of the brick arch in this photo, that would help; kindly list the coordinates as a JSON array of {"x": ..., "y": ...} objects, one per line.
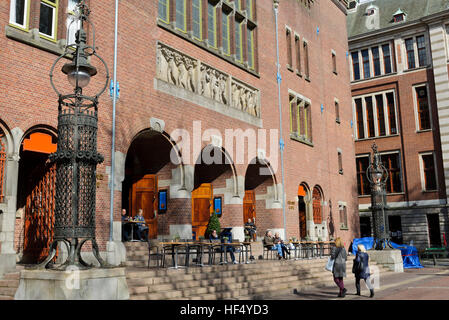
[{"x": 267, "y": 165}]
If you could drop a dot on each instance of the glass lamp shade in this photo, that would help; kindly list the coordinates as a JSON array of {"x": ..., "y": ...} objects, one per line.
[{"x": 79, "y": 76}]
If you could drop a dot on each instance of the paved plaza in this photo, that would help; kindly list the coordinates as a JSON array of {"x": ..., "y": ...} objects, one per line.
[{"x": 428, "y": 283}]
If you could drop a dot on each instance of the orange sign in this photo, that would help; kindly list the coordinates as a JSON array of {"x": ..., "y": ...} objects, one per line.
[{"x": 39, "y": 142}]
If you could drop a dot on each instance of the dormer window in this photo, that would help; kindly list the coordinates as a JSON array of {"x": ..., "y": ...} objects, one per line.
[
  {"x": 399, "y": 16},
  {"x": 370, "y": 11}
]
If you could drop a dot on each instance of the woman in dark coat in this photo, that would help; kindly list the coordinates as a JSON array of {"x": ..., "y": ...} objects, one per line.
[
  {"x": 361, "y": 270},
  {"x": 338, "y": 253}
]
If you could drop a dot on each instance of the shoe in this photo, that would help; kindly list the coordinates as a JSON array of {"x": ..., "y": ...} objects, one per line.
[
  {"x": 279, "y": 257},
  {"x": 235, "y": 262},
  {"x": 357, "y": 293},
  {"x": 343, "y": 294},
  {"x": 371, "y": 293}
]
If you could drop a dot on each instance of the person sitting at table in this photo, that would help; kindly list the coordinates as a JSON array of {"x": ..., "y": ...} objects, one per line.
[
  {"x": 125, "y": 226},
  {"x": 280, "y": 243},
  {"x": 141, "y": 227},
  {"x": 230, "y": 249},
  {"x": 268, "y": 242},
  {"x": 250, "y": 229}
]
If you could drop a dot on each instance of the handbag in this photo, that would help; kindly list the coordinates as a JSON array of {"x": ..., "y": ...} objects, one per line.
[
  {"x": 357, "y": 266},
  {"x": 330, "y": 264}
]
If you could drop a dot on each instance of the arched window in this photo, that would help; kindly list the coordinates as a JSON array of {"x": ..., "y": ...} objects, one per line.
[{"x": 317, "y": 204}]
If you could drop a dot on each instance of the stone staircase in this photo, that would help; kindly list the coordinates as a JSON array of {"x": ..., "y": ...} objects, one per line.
[
  {"x": 9, "y": 284},
  {"x": 258, "y": 280}
]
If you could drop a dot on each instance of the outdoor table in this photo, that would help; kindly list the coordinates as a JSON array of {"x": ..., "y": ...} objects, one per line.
[
  {"x": 246, "y": 247},
  {"x": 174, "y": 246},
  {"x": 132, "y": 224}
]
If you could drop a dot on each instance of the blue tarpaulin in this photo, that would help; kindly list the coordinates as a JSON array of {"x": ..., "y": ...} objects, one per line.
[{"x": 409, "y": 254}]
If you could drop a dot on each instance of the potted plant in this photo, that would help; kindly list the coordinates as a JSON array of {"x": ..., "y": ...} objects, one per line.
[{"x": 214, "y": 224}]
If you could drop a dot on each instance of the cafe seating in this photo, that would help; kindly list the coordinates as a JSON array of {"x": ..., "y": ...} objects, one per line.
[
  {"x": 269, "y": 251},
  {"x": 155, "y": 250}
]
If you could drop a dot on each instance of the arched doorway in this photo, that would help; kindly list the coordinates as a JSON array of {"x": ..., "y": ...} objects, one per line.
[
  {"x": 147, "y": 160},
  {"x": 303, "y": 195},
  {"x": 257, "y": 174},
  {"x": 212, "y": 168},
  {"x": 36, "y": 193},
  {"x": 317, "y": 203}
]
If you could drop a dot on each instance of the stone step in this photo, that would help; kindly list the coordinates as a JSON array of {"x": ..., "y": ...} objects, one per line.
[
  {"x": 6, "y": 297},
  {"x": 9, "y": 283},
  {"x": 11, "y": 276},
  {"x": 8, "y": 291}
]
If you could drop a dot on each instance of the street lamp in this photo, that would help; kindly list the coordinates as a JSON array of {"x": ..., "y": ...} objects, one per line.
[
  {"x": 76, "y": 157},
  {"x": 377, "y": 175}
]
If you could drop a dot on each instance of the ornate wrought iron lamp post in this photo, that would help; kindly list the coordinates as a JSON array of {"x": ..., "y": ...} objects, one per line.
[
  {"x": 76, "y": 157},
  {"x": 377, "y": 175}
]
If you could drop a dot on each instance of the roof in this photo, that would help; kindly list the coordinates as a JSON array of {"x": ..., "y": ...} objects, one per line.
[{"x": 358, "y": 23}]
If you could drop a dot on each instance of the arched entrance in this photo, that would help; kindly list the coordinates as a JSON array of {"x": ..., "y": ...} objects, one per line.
[
  {"x": 257, "y": 173},
  {"x": 211, "y": 170},
  {"x": 317, "y": 199},
  {"x": 36, "y": 193},
  {"x": 303, "y": 195},
  {"x": 147, "y": 161}
]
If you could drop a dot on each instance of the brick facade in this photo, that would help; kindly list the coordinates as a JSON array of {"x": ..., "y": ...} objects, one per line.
[{"x": 27, "y": 101}]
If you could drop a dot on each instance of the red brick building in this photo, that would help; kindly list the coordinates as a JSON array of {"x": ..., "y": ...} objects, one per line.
[
  {"x": 399, "y": 83},
  {"x": 197, "y": 118}
]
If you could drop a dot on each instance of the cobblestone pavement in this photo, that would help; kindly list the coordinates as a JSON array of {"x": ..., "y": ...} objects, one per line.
[{"x": 428, "y": 283}]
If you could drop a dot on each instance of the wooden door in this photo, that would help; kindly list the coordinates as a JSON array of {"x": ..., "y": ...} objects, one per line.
[
  {"x": 201, "y": 209},
  {"x": 39, "y": 215},
  {"x": 143, "y": 197},
  {"x": 302, "y": 217},
  {"x": 317, "y": 215},
  {"x": 249, "y": 206}
]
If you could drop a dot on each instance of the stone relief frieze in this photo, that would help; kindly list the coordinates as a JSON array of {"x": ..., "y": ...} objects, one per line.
[{"x": 188, "y": 73}]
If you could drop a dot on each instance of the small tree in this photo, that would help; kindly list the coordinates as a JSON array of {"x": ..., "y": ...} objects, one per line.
[{"x": 214, "y": 224}]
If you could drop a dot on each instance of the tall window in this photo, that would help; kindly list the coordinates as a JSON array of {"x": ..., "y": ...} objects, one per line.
[
  {"x": 422, "y": 56},
  {"x": 429, "y": 182},
  {"x": 19, "y": 13},
  {"x": 375, "y": 114},
  {"x": 370, "y": 116},
  {"x": 363, "y": 185},
  {"x": 298, "y": 54},
  {"x": 410, "y": 53},
  {"x": 294, "y": 116},
  {"x": 250, "y": 47},
  {"x": 73, "y": 24},
  {"x": 196, "y": 19},
  {"x": 343, "y": 216},
  {"x": 392, "y": 164},
  {"x": 422, "y": 106},
  {"x": 306, "y": 59},
  {"x": 387, "y": 58},
  {"x": 238, "y": 41},
  {"x": 249, "y": 9},
  {"x": 380, "y": 114},
  {"x": 337, "y": 112},
  {"x": 355, "y": 65},
  {"x": 288, "y": 39},
  {"x": 391, "y": 112},
  {"x": 376, "y": 60},
  {"x": 225, "y": 34},
  {"x": 365, "y": 60},
  {"x": 340, "y": 162},
  {"x": 300, "y": 118},
  {"x": 163, "y": 10},
  {"x": 181, "y": 16},
  {"x": 48, "y": 18},
  {"x": 359, "y": 118},
  {"x": 211, "y": 25},
  {"x": 334, "y": 63}
]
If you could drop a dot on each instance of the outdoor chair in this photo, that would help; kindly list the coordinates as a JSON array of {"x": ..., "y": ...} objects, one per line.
[
  {"x": 155, "y": 251},
  {"x": 269, "y": 250}
]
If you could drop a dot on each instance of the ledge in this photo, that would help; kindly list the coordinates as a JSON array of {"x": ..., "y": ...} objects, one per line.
[
  {"x": 33, "y": 38},
  {"x": 300, "y": 139}
]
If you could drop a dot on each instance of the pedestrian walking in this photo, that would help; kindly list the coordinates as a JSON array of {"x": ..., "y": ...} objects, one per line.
[
  {"x": 361, "y": 270},
  {"x": 338, "y": 254}
]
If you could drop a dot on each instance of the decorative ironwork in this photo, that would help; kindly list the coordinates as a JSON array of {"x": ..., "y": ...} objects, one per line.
[
  {"x": 76, "y": 157},
  {"x": 377, "y": 175}
]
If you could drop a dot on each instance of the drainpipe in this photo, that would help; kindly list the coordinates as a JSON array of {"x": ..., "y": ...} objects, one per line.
[
  {"x": 281, "y": 140},
  {"x": 114, "y": 102}
]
